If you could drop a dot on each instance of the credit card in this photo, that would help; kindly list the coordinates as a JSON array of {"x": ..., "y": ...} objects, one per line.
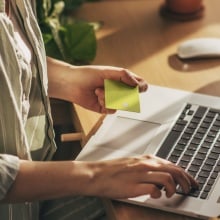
[{"x": 120, "y": 96}]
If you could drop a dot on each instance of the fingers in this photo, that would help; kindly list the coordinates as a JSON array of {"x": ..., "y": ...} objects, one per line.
[
  {"x": 169, "y": 181},
  {"x": 186, "y": 181},
  {"x": 168, "y": 175},
  {"x": 151, "y": 189},
  {"x": 181, "y": 178},
  {"x": 127, "y": 77},
  {"x": 101, "y": 100},
  {"x": 178, "y": 172},
  {"x": 162, "y": 179},
  {"x": 142, "y": 85},
  {"x": 134, "y": 80}
]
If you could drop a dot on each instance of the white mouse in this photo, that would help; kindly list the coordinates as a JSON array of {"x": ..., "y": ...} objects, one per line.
[{"x": 199, "y": 47}]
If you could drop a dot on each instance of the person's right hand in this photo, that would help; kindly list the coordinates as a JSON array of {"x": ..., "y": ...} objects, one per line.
[
  {"x": 117, "y": 179},
  {"x": 84, "y": 85},
  {"x": 135, "y": 176}
]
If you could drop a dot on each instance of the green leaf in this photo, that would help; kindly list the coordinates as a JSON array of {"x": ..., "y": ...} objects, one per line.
[
  {"x": 47, "y": 38},
  {"x": 80, "y": 42}
]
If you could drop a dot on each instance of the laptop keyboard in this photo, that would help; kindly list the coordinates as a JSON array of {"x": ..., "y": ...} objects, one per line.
[{"x": 194, "y": 144}]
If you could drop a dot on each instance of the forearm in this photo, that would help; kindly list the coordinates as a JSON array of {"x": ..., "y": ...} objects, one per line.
[
  {"x": 47, "y": 180},
  {"x": 65, "y": 80},
  {"x": 57, "y": 76}
]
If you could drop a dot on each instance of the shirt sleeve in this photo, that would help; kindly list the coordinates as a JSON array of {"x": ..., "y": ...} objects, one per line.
[{"x": 9, "y": 166}]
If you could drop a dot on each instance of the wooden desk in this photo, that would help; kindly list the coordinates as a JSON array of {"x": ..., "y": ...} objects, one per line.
[{"x": 136, "y": 37}]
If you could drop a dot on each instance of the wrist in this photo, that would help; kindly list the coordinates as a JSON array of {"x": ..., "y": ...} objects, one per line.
[{"x": 89, "y": 175}]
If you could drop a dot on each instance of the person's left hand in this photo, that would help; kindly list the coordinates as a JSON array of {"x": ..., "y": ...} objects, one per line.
[{"x": 84, "y": 85}]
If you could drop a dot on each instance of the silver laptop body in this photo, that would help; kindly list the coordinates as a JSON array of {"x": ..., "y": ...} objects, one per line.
[{"x": 130, "y": 134}]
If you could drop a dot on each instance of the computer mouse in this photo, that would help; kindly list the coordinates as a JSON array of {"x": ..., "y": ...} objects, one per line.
[{"x": 199, "y": 48}]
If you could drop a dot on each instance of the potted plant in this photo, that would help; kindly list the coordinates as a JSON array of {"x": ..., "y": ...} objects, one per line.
[{"x": 66, "y": 38}]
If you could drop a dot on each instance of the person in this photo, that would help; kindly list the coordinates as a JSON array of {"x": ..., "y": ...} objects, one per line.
[{"x": 32, "y": 186}]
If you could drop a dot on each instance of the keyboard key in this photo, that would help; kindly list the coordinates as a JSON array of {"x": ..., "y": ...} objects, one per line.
[
  {"x": 200, "y": 112},
  {"x": 194, "y": 193},
  {"x": 192, "y": 147},
  {"x": 183, "y": 141},
  {"x": 192, "y": 125},
  {"x": 212, "y": 113},
  {"x": 180, "y": 147},
  {"x": 205, "y": 125},
  {"x": 217, "y": 169},
  {"x": 198, "y": 135},
  {"x": 208, "y": 119},
  {"x": 206, "y": 144},
  {"x": 210, "y": 161},
  {"x": 196, "y": 141},
  {"x": 215, "y": 150},
  {"x": 176, "y": 153},
  {"x": 189, "y": 152},
  {"x": 202, "y": 130},
  {"x": 212, "y": 133},
  {"x": 193, "y": 168},
  {"x": 197, "y": 162},
  {"x": 214, "y": 128},
  {"x": 204, "y": 174},
  {"x": 203, "y": 150},
  {"x": 190, "y": 112},
  {"x": 186, "y": 158},
  {"x": 196, "y": 120},
  {"x": 217, "y": 123},
  {"x": 209, "y": 139},
  {"x": 214, "y": 175},
  {"x": 213, "y": 156},
  {"x": 204, "y": 195},
  {"x": 183, "y": 164},
  {"x": 201, "y": 180},
  {"x": 217, "y": 144},
  {"x": 186, "y": 136},
  {"x": 207, "y": 188},
  {"x": 173, "y": 159},
  {"x": 200, "y": 156},
  {"x": 189, "y": 130},
  {"x": 207, "y": 167},
  {"x": 192, "y": 173},
  {"x": 178, "y": 127},
  {"x": 168, "y": 143},
  {"x": 211, "y": 182}
]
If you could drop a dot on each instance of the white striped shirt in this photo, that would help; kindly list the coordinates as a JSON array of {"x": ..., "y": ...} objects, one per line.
[{"x": 26, "y": 130}]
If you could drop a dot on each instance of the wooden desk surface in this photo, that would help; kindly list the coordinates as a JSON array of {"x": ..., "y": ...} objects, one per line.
[{"x": 135, "y": 36}]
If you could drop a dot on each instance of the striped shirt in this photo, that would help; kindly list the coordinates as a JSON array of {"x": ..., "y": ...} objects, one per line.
[{"x": 26, "y": 130}]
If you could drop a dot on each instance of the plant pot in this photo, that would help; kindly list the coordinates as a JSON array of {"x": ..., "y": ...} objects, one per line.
[
  {"x": 182, "y": 10},
  {"x": 183, "y": 6}
]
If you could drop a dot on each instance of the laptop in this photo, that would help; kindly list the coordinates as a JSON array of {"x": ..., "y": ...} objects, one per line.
[{"x": 180, "y": 126}]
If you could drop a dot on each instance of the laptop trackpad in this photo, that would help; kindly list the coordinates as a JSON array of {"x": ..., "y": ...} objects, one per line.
[{"x": 129, "y": 135}]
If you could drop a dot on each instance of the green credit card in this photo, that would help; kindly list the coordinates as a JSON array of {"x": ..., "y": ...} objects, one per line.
[{"x": 121, "y": 96}]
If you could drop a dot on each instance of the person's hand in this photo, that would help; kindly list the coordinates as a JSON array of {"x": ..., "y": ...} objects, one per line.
[
  {"x": 84, "y": 85},
  {"x": 88, "y": 82},
  {"x": 135, "y": 176}
]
